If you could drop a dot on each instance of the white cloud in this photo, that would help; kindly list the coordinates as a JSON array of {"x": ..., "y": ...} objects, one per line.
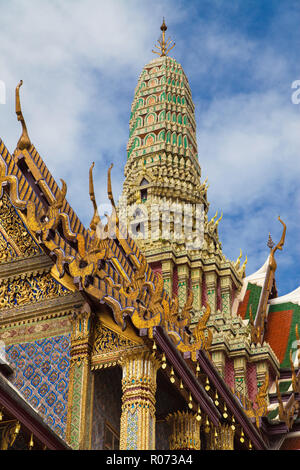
[{"x": 249, "y": 148}]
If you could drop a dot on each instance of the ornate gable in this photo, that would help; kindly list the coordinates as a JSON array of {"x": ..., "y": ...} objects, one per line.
[{"x": 15, "y": 240}]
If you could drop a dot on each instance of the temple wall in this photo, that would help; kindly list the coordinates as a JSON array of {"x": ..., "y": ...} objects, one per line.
[{"x": 41, "y": 375}]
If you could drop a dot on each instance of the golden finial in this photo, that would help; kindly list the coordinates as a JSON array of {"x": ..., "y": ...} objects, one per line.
[
  {"x": 279, "y": 246},
  {"x": 24, "y": 141},
  {"x": 238, "y": 261},
  {"x": 110, "y": 193},
  {"x": 243, "y": 268},
  {"x": 219, "y": 219},
  {"x": 163, "y": 47},
  {"x": 96, "y": 219}
]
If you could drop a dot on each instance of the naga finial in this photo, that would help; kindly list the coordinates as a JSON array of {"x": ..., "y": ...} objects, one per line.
[
  {"x": 96, "y": 219},
  {"x": 24, "y": 141},
  {"x": 164, "y": 46},
  {"x": 213, "y": 219},
  {"x": 244, "y": 266},
  {"x": 238, "y": 261},
  {"x": 219, "y": 220},
  {"x": 61, "y": 195},
  {"x": 279, "y": 246},
  {"x": 110, "y": 193}
]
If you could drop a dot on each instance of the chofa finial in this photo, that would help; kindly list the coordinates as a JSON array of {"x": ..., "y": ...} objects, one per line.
[
  {"x": 279, "y": 246},
  {"x": 164, "y": 46},
  {"x": 24, "y": 141}
]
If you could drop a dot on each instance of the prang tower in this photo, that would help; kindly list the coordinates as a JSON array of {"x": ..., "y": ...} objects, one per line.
[{"x": 162, "y": 173}]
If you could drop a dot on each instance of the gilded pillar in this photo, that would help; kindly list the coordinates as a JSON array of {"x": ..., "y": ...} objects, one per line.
[
  {"x": 240, "y": 369},
  {"x": 183, "y": 279},
  {"x": 185, "y": 431},
  {"x": 211, "y": 286},
  {"x": 81, "y": 382},
  {"x": 261, "y": 370},
  {"x": 138, "y": 401},
  {"x": 226, "y": 295},
  {"x": 219, "y": 361},
  {"x": 167, "y": 274},
  {"x": 221, "y": 437},
  {"x": 196, "y": 275}
]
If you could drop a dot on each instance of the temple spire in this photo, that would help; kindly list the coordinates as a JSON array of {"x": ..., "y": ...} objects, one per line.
[{"x": 163, "y": 46}]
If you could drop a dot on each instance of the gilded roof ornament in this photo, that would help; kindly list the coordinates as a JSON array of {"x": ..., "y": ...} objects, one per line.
[
  {"x": 96, "y": 219},
  {"x": 24, "y": 141},
  {"x": 164, "y": 46},
  {"x": 110, "y": 194},
  {"x": 279, "y": 246}
]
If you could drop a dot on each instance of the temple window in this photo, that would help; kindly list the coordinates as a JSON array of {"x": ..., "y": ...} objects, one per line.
[
  {"x": 174, "y": 138},
  {"x": 144, "y": 194},
  {"x": 179, "y": 119},
  {"x": 168, "y": 138},
  {"x": 144, "y": 190},
  {"x": 179, "y": 140}
]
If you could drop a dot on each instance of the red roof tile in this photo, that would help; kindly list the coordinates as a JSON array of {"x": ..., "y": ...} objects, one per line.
[
  {"x": 278, "y": 331},
  {"x": 243, "y": 305}
]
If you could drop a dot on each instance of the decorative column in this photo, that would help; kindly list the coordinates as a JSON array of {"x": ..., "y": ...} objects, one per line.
[
  {"x": 211, "y": 286},
  {"x": 81, "y": 384},
  {"x": 226, "y": 290},
  {"x": 185, "y": 433},
  {"x": 138, "y": 401},
  {"x": 261, "y": 370},
  {"x": 196, "y": 275},
  {"x": 219, "y": 361},
  {"x": 183, "y": 277},
  {"x": 221, "y": 437},
  {"x": 167, "y": 273},
  {"x": 240, "y": 368}
]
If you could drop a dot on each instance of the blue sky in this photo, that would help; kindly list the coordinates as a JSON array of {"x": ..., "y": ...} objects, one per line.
[{"x": 80, "y": 62}]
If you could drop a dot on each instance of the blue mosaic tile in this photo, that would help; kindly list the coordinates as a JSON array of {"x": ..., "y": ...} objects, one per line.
[{"x": 42, "y": 376}]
